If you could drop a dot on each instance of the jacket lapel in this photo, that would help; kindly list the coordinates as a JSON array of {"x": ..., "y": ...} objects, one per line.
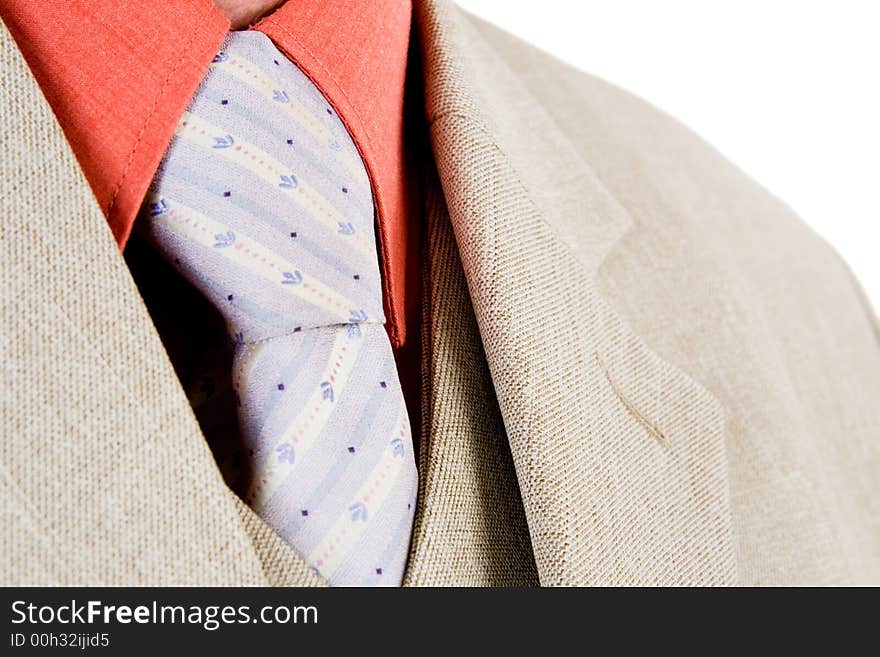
[
  {"x": 470, "y": 527},
  {"x": 106, "y": 477},
  {"x": 619, "y": 454}
]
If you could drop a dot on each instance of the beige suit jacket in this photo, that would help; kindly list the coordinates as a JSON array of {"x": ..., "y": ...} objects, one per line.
[{"x": 640, "y": 367}]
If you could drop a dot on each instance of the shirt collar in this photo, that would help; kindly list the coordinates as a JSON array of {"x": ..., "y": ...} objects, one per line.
[
  {"x": 119, "y": 75},
  {"x": 356, "y": 53}
]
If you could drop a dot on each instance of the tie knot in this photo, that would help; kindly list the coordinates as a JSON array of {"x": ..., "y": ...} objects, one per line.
[{"x": 265, "y": 202}]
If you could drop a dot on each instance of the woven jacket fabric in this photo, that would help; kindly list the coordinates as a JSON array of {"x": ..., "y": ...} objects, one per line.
[
  {"x": 642, "y": 368},
  {"x": 470, "y": 526},
  {"x": 688, "y": 377}
]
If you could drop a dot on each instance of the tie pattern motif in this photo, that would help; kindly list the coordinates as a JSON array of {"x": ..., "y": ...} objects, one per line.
[{"x": 263, "y": 203}]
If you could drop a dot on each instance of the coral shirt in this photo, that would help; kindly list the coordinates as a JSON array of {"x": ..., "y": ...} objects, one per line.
[{"x": 118, "y": 76}]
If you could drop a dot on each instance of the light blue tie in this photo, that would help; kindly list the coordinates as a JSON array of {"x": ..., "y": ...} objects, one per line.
[{"x": 263, "y": 203}]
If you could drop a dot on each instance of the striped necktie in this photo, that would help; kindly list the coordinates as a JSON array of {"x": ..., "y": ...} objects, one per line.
[{"x": 263, "y": 203}]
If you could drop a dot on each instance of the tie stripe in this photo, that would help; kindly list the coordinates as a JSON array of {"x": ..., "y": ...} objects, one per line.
[
  {"x": 352, "y": 523},
  {"x": 248, "y": 73},
  {"x": 302, "y": 433},
  {"x": 260, "y": 261},
  {"x": 250, "y": 158}
]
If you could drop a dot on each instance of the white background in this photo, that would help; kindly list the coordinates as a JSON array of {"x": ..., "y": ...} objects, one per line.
[{"x": 789, "y": 91}]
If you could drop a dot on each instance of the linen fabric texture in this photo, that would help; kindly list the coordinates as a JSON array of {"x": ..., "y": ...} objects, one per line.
[{"x": 658, "y": 374}]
